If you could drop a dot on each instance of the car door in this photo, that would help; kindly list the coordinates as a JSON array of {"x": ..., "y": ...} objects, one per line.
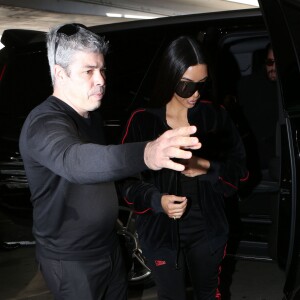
[{"x": 282, "y": 19}]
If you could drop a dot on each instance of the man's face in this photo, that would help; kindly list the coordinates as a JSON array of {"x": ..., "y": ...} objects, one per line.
[
  {"x": 271, "y": 66},
  {"x": 83, "y": 88}
]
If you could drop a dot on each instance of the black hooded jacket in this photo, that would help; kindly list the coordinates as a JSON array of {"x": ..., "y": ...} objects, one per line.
[{"x": 221, "y": 145}]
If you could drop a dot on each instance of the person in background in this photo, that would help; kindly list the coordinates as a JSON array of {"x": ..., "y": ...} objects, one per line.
[
  {"x": 180, "y": 214},
  {"x": 270, "y": 64},
  {"x": 71, "y": 171},
  {"x": 257, "y": 99}
]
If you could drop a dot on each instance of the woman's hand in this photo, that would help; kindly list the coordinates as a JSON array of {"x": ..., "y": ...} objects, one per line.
[
  {"x": 174, "y": 206},
  {"x": 195, "y": 166}
]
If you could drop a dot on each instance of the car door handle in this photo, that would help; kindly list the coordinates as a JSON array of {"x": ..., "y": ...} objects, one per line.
[{"x": 298, "y": 143}]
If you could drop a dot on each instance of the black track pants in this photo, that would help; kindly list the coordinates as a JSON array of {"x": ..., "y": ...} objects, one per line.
[
  {"x": 104, "y": 278},
  {"x": 203, "y": 268}
]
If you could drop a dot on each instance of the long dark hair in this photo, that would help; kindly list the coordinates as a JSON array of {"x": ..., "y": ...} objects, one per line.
[{"x": 182, "y": 53}]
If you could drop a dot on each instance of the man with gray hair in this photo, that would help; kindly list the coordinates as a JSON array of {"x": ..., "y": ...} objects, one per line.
[{"x": 71, "y": 172}]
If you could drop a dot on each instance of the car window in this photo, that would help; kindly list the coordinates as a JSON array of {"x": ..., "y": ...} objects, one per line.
[{"x": 25, "y": 82}]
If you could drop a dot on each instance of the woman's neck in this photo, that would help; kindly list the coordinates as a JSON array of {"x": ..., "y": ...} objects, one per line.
[{"x": 176, "y": 115}]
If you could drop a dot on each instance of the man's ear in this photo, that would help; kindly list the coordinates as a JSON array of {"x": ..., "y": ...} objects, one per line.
[{"x": 59, "y": 73}]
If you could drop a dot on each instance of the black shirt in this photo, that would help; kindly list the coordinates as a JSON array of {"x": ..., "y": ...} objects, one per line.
[{"x": 70, "y": 173}]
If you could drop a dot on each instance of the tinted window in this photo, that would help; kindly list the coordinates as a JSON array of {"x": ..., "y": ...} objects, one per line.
[{"x": 25, "y": 83}]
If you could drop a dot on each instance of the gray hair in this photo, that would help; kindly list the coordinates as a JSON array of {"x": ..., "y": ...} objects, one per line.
[{"x": 61, "y": 47}]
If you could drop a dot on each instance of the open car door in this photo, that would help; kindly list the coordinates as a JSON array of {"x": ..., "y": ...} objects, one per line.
[{"x": 282, "y": 19}]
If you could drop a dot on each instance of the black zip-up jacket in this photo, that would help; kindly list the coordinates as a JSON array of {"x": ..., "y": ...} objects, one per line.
[{"x": 221, "y": 145}]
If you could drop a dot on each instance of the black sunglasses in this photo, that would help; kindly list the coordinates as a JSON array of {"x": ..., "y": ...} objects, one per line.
[
  {"x": 270, "y": 62},
  {"x": 186, "y": 89},
  {"x": 68, "y": 30}
]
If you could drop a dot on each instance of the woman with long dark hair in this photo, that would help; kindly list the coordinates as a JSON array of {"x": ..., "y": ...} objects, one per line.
[{"x": 181, "y": 220}]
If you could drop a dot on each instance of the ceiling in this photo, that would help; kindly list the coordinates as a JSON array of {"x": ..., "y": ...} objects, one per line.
[{"x": 43, "y": 14}]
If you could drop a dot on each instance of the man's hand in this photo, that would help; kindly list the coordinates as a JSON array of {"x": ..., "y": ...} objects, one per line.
[
  {"x": 174, "y": 206},
  {"x": 159, "y": 152}
]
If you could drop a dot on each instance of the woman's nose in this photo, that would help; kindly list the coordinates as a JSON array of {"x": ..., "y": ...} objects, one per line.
[{"x": 196, "y": 94}]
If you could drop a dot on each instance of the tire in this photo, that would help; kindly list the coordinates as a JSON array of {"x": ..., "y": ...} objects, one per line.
[{"x": 138, "y": 272}]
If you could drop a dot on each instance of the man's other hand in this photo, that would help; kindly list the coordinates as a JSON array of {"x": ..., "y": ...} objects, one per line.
[{"x": 159, "y": 153}]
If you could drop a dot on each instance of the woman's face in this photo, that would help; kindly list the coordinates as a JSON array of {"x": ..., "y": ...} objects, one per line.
[{"x": 188, "y": 89}]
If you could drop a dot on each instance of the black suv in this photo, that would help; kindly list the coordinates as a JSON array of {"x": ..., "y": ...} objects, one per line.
[{"x": 264, "y": 217}]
